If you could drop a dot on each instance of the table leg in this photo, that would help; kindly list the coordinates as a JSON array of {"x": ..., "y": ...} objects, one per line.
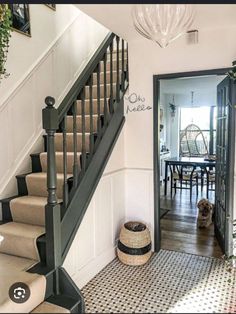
[
  {"x": 207, "y": 184},
  {"x": 166, "y": 177}
]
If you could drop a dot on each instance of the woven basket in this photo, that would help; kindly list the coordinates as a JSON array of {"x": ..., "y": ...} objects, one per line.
[{"x": 134, "y": 246}]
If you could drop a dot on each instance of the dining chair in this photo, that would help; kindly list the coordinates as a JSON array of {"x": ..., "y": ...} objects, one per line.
[
  {"x": 210, "y": 181},
  {"x": 185, "y": 177}
]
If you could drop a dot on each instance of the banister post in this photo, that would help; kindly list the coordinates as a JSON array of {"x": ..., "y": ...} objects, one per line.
[{"x": 52, "y": 209}]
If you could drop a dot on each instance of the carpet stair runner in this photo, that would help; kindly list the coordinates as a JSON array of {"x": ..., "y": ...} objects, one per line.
[{"x": 24, "y": 215}]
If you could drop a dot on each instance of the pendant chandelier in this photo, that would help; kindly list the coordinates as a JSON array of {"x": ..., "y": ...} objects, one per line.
[{"x": 162, "y": 23}]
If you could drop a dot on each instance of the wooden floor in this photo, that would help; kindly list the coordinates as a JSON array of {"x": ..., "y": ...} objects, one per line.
[{"x": 179, "y": 226}]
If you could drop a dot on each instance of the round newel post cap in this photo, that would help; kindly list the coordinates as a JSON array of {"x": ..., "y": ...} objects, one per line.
[{"x": 50, "y": 101}]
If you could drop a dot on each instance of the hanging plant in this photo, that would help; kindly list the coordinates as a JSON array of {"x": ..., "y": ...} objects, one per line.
[
  {"x": 232, "y": 72},
  {"x": 172, "y": 107},
  {"x": 5, "y": 34}
]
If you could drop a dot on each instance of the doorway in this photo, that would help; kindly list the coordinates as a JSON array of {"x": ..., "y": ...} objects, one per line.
[{"x": 216, "y": 143}]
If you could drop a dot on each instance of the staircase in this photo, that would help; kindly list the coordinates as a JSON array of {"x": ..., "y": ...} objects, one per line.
[{"x": 39, "y": 224}]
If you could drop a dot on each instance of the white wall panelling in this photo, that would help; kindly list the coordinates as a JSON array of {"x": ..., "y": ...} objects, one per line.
[
  {"x": 95, "y": 243},
  {"x": 139, "y": 196}
]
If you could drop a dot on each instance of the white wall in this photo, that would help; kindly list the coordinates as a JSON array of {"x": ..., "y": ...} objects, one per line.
[
  {"x": 47, "y": 63},
  {"x": 216, "y": 49},
  {"x": 95, "y": 243}
]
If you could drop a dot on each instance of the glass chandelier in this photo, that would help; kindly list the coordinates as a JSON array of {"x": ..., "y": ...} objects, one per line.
[{"x": 162, "y": 23}]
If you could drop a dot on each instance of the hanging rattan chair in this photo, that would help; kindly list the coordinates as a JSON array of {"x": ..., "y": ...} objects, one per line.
[{"x": 193, "y": 142}]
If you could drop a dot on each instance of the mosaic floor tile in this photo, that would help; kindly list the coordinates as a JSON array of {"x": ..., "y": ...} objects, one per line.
[{"x": 171, "y": 282}]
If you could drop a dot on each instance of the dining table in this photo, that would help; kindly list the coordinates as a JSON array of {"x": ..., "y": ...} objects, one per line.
[{"x": 195, "y": 162}]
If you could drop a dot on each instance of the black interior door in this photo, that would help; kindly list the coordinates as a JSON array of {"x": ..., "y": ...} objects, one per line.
[{"x": 225, "y": 143}]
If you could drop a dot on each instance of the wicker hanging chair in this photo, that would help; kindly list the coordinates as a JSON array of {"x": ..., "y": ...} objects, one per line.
[{"x": 193, "y": 142}]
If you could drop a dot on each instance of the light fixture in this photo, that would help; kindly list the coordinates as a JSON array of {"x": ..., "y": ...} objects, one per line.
[{"x": 162, "y": 23}]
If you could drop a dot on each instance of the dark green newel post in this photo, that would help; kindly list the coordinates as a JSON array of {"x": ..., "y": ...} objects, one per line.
[{"x": 52, "y": 209}]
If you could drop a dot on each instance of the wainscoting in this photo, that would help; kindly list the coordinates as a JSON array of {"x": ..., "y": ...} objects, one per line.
[
  {"x": 139, "y": 196},
  {"x": 95, "y": 242}
]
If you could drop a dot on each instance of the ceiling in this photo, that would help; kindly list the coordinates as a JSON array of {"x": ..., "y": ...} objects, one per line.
[
  {"x": 118, "y": 19},
  {"x": 204, "y": 89}
]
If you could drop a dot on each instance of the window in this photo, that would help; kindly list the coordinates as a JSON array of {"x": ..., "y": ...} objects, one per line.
[{"x": 205, "y": 119}]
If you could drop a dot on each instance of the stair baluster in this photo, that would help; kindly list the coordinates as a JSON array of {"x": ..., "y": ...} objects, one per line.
[
  {"x": 91, "y": 118},
  {"x": 123, "y": 65},
  {"x": 82, "y": 97},
  {"x": 65, "y": 184},
  {"x": 52, "y": 209},
  {"x": 111, "y": 78},
  {"x": 117, "y": 69},
  {"x": 75, "y": 150},
  {"x": 105, "y": 90},
  {"x": 98, "y": 100},
  {"x": 127, "y": 63}
]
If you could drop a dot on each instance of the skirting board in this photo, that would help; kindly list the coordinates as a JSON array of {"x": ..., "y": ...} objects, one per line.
[{"x": 84, "y": 275}]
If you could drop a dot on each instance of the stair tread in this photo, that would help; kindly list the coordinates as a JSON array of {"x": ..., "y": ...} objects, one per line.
[
  {"x": 101, "y": 85},
  {"x": 71, "y": 134},
  {"x": 61, "y": 153},
  {"x": 35, "y": 282},
  {"x": 19, "y": 239},
  {"x": 29, "y": 209},
  {"x": 43, "y": 175},
  {"x": 47, "y": 307},
  {"x": 29, "y": 199},
  {"x": 86, "y": 116},
  {"x": 37, "y": 183},
  {"x": 101, "y": 99},
  {"x": 20, "y": 229},
  {"x": 14, "y": 263},
  {"x": 60, "y": 161}
]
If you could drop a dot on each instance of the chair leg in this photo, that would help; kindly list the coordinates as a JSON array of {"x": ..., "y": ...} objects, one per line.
[
  {"x": 197, "y": 185},
  {"x": 202, "y": 180},
  {"x": 175, "y": 186},
  {"x": 191, "y": 188},
  {"x": 171, "y": 185},
  {"x": 207, "y": 186}
]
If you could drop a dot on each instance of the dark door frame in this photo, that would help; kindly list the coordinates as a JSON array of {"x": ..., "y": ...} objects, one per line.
[{"x": 156, "y": 141}]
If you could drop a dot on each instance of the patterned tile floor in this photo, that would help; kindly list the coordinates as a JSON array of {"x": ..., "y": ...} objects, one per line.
[{"x": 171, "y": 282}]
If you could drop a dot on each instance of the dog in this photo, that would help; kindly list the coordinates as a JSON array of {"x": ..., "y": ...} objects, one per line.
[{"x": 205, "y": 212}]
